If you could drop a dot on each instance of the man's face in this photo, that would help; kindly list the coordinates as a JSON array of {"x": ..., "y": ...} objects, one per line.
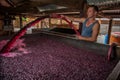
[{"x": 91, "y": 12}]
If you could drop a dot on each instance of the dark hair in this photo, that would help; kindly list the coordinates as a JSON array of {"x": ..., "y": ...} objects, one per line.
[{"x": 95, "y": 7}]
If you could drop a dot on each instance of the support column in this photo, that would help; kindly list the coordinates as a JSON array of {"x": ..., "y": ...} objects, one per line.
[
  {"x": 80, "y": 27},
  {"x": 41, "y": 24},
  {"x": 109, "y": 30},
  {"x": 60, "y": 21},
  {"x": 49, "y": 22},
  {"x": 83, "y": 12},
  {"x": 21, "y": 23}
]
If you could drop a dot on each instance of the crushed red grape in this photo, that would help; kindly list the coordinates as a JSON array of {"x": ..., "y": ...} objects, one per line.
[{"x": 51, "y": 59}]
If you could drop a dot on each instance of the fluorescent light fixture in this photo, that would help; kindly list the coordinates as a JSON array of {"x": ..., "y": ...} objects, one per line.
[{"x": 50, "y": 8}]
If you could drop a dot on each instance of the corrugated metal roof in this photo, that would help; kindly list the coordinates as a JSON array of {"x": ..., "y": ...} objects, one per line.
[
  {"x": 106, "y": 7},
  {"x": 100, "y": 2}
]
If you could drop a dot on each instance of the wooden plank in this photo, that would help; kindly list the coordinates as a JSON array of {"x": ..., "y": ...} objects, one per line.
[{"x": 115, "y": 73}]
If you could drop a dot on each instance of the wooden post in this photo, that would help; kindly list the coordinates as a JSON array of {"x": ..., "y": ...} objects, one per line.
[
  {"x": 41, "y": 24},
  {"x": 21, "y": 23},
  {"x": 83, "y": 12},
  {"x": 80, "y": 27},
  {"x": 109, "y": 30},
  {"x": 60, "y": 21},
  {"x": 49, "y": 22}
]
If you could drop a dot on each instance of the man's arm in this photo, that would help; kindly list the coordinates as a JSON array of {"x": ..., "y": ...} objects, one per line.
[
  {"x": 69, "y": 18},
  {"x": 81, "y": 20},
  {"x": 95, "y": 32}
]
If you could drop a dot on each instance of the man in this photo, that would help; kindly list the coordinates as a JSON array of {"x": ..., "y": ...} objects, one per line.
[{"x": 90, "y": 28}]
